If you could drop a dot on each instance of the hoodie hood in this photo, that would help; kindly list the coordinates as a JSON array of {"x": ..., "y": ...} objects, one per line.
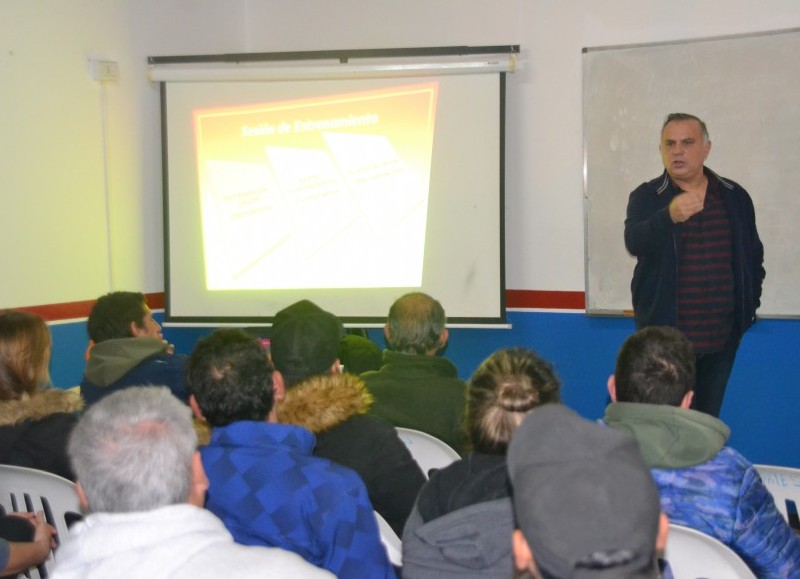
[
  {"x": 111, "y": 360},
  {"x": 321, "y": 402},
  {"x": 472, "y": 542},
  {"x": 39, "y": 406},
  {"x": 668, "y": 436}
]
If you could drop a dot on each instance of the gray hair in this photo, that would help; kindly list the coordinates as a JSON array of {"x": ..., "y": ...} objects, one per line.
[
  {"x": 416, "y": 321},
  {"x": 677, "y": 117},
  {"x": 132, "y": 451}
]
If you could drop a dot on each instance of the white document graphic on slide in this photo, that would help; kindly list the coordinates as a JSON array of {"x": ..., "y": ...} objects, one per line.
[
  {"x": 315, "y": 196},
  {"x": 384, "y": 188},
  {"x": 243, "y": 219}
]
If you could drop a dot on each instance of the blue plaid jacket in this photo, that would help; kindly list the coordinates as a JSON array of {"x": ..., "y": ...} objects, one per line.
[{"x": 269, "y": 490}]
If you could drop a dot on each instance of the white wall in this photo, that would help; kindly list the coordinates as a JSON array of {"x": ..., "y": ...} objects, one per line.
[
  {"x": 50, "y": 156},
  {"x": 53, "y": 195},
  {"x": 545, "y": 207},
  {"x": 56, "y": 158}
]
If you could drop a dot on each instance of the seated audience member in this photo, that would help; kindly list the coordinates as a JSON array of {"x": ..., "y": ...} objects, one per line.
[
  {"x": 34, "y": 422},
  {"x": 703, "y": 483},
  {"x": 359, "y": 354},
  {"x": 584, "y": 501},
  {"x": 462, "y": 522},
  {"x": 414, "y": 387},
  {"x": 264, "y": 482},
  {"x": 141, "y": 478},
  {"x": 25, "y": 541},
  {"x": 128, "y": 349},
  {"x": 332, "y": 405}
]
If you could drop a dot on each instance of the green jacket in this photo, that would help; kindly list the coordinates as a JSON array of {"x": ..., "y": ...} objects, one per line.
[{"x": 420, "y": 392}]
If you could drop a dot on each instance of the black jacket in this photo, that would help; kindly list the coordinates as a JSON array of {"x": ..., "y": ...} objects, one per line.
[
  {"x": 652, "y": 237},
  {"x": 34, "y": 431},
  {"x": 118, "y": 364}
]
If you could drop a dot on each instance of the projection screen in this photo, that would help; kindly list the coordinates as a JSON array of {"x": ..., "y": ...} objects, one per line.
[{"x": 347, "y": 192}]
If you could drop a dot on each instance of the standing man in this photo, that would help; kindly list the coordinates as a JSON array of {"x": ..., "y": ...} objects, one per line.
[{"x": 699, "y": 258}]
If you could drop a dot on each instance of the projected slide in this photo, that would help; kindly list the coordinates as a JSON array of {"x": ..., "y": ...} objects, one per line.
[{"x": 329, "y": 192}]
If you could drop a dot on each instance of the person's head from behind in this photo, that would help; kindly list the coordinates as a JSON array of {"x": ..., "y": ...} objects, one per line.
[
  {"x": 502, "y": 391},
  {"x": 229, "y": 378},
  {"x": 584, "y": 501},
  {"x": 121, "y": 315},
  {"x": 24, "y": 354},
  {"x": 416, "y": 325},
  {"x": 134, "y": 451},
  {"x": 359, "y": 354},
  {"x": 656, "y": 365},
  {"x": 304, "y": 342}
]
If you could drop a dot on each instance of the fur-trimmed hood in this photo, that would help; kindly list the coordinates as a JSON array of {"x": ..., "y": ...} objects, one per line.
[
  {"x": 39, "y": 406},
  {"x": 321, "y": 402}
]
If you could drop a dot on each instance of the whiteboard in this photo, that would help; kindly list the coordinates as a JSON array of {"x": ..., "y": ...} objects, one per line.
[{"x": 747, "y": 90}]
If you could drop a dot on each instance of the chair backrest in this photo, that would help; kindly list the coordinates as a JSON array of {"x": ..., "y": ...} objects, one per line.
[
  {"x": 692, "y": 554},
  {"x": 29, "y": 490},
  {"x": 783, "y": 483},
  {"x": 390, "y": 540},
  {"x": 429, "y": 452}
]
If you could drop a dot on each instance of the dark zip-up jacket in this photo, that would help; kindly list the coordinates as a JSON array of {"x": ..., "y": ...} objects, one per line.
[
  {"x": 124, "y": 362},
  {"x": 652, "y": 237},
  {"x": 35, "y": 429}
]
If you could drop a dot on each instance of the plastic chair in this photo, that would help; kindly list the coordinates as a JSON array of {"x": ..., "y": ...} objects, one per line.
[
  {"x": 390, "y": 540},
  {"x": 30, "y": 490},
  {"x": 783, "y": 483},
  {"x": 429, "y": 452},
  {"x": 692, "y": 554}
]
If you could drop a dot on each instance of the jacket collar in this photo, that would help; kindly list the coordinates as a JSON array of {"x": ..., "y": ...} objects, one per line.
[
  {"x": 665, "y": 182},
  {"x": 421, "y": 364}
]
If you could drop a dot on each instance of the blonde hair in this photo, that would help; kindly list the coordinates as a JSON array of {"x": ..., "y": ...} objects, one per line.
[
  {"x": 505, "y": 387},
  {"x": 24, "y": 354}
]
